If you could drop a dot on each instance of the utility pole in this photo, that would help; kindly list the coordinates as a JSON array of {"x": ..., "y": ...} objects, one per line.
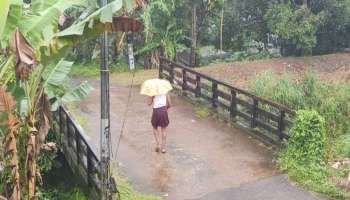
[{"x": 105, "y": 137}]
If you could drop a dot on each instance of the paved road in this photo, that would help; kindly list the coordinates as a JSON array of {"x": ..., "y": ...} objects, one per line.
[{"x": 206, "y": 158}]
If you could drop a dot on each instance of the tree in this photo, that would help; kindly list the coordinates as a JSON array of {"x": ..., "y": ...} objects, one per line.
[
  {"x": 295, "y": 27},
  {"x": 163, "y": 32},
  {"x": 333, "y": 31},
  {"x": 37, "y": 83}
]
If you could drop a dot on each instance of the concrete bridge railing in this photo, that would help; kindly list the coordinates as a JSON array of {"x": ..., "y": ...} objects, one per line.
[{"x": 78, "y": 152}]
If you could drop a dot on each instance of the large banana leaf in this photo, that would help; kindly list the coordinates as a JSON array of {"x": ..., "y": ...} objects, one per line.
[
  {"x": 78, "y": 93},
  {"x": 13, "y": 17},
  {"x": 4, "y": 9},
  {"x": 37, "y": 6},
  {"x": 74, "y": 95},
  {"x": 57, "y": 74},
  {"x": 40, "y": 28},
  {"x": 104, "y": 15}
]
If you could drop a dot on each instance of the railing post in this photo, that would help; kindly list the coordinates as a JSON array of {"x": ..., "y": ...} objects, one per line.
[
  {"x": 281, "y": 125},
  {"x": 184, "y": 82},
  {"x": 160, "y": 75},
  {"x": 171, "y": 73},
  {"x": 215, "y": 94},
  {"x": 60, "y": 120},
  {"x": 89, "y": 165},
  {"x": 77, "y": 144},
  {"x": 198, "y": 86},
  {"x": 254, "y": 113},
  {"x": 233, "y": 106},
  {"x": 68, "y": 131}
]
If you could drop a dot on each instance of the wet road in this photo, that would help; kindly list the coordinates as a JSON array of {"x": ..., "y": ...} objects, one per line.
[{"x": 206, "y": 159}]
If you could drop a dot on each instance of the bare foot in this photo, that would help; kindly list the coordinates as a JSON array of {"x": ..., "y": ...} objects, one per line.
[{"x": 163, "y": 151}]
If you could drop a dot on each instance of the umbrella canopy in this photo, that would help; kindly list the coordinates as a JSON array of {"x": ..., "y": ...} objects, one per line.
[{"x": 155, "y": 87}]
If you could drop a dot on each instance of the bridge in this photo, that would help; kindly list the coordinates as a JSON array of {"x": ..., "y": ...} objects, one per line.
[{"x": 215, "y": 157}]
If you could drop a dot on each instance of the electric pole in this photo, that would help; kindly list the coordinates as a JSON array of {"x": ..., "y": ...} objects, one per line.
[{"x": 105, "y": 137}]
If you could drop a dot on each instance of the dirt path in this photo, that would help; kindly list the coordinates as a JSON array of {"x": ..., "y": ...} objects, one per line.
[{"x": 206, "y": 159}]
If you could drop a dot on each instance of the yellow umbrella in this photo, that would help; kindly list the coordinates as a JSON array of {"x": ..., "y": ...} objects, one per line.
[{"x": 155, "y": 87}]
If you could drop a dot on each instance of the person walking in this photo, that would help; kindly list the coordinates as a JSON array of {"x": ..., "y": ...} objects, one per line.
[
  {"x": 159, "y": 98},
  {"x": 160, "y": 119}
]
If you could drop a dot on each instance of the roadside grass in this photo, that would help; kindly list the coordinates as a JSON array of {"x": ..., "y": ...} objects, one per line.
[
  {"x": 83, "y": 121},
  {"x": 125, "y": 78},
  {"x": 120, "y": 73},
  {"x": 126, "y": 190},
  {"x": 92, "y": 69},
  {"x": 201, "y": 111}
]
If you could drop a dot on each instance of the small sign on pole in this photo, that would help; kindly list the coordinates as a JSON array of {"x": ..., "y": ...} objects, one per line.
[{"x": 131, "y": 52}]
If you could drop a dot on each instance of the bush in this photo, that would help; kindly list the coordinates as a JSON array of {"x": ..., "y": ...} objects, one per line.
[
  {"x": 307, "y": 140},
  {"x": 304, "y": 157}
]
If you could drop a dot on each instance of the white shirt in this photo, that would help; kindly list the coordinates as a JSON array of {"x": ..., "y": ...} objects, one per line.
[{"x": 159, "y": 101}]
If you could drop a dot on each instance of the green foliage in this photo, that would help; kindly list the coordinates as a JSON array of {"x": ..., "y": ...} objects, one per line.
[
  {"x": 304, "y": 156},
  {"x": 4, "y": 8},
  {"x": 307, "y": 140},
  {"x": 92, "y": 69},
  {"x": 333, "y": 31},
  {"x": 342, "y": 146},
  {"x": 201, "y": 111},
  {"x": 86, "y": 70},
  {"x": 280, "y": 89},
  {"x": 314, "y": 139},
  {"x": 55, "y": 194},
  {"x": 248, "y": 56},
  {"x": 127, "y": 192},
  {"x": 161, "y": 29},
  {"x": 46, "y": 161},
  {"x": 329, "y": 99},
  {"x": 59, "y": 181},
  {"x": 295, "y": 26}
]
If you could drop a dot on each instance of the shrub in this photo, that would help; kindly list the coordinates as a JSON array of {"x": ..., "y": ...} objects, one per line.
[
  {"x": 307, "y": 140},
  {"x": 304, "y": 156}
]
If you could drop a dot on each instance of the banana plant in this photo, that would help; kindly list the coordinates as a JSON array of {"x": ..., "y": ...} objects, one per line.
[
  {"x": 37, "y": 47},
  {"x": 4, "y": 8}
]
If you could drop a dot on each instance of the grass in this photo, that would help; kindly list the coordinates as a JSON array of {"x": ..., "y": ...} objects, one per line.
[
  {"x": 92, "y": 70},
  {"x": 127, "y": 192},
  {"x": 83, "y": 122},
  {"x": 121, "y": 73},
  {"x": 86, "y": 70},
  {"x": 331, "y": 101},
  {"x": 125, "y": 78},
  {"x": 201, "y": 111}
]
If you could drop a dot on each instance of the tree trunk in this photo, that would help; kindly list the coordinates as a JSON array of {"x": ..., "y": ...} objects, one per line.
[
  {"x": 221, "y": 27},
  {"x": 194, "y": 35}
]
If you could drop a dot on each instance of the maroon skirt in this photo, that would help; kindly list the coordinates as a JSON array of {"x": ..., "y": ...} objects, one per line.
[{"x": 160, "y": 117}]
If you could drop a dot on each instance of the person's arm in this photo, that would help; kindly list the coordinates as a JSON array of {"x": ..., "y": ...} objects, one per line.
[
  {"x": 168, "y": 101},
  {"x": 150, "y": 101}
]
